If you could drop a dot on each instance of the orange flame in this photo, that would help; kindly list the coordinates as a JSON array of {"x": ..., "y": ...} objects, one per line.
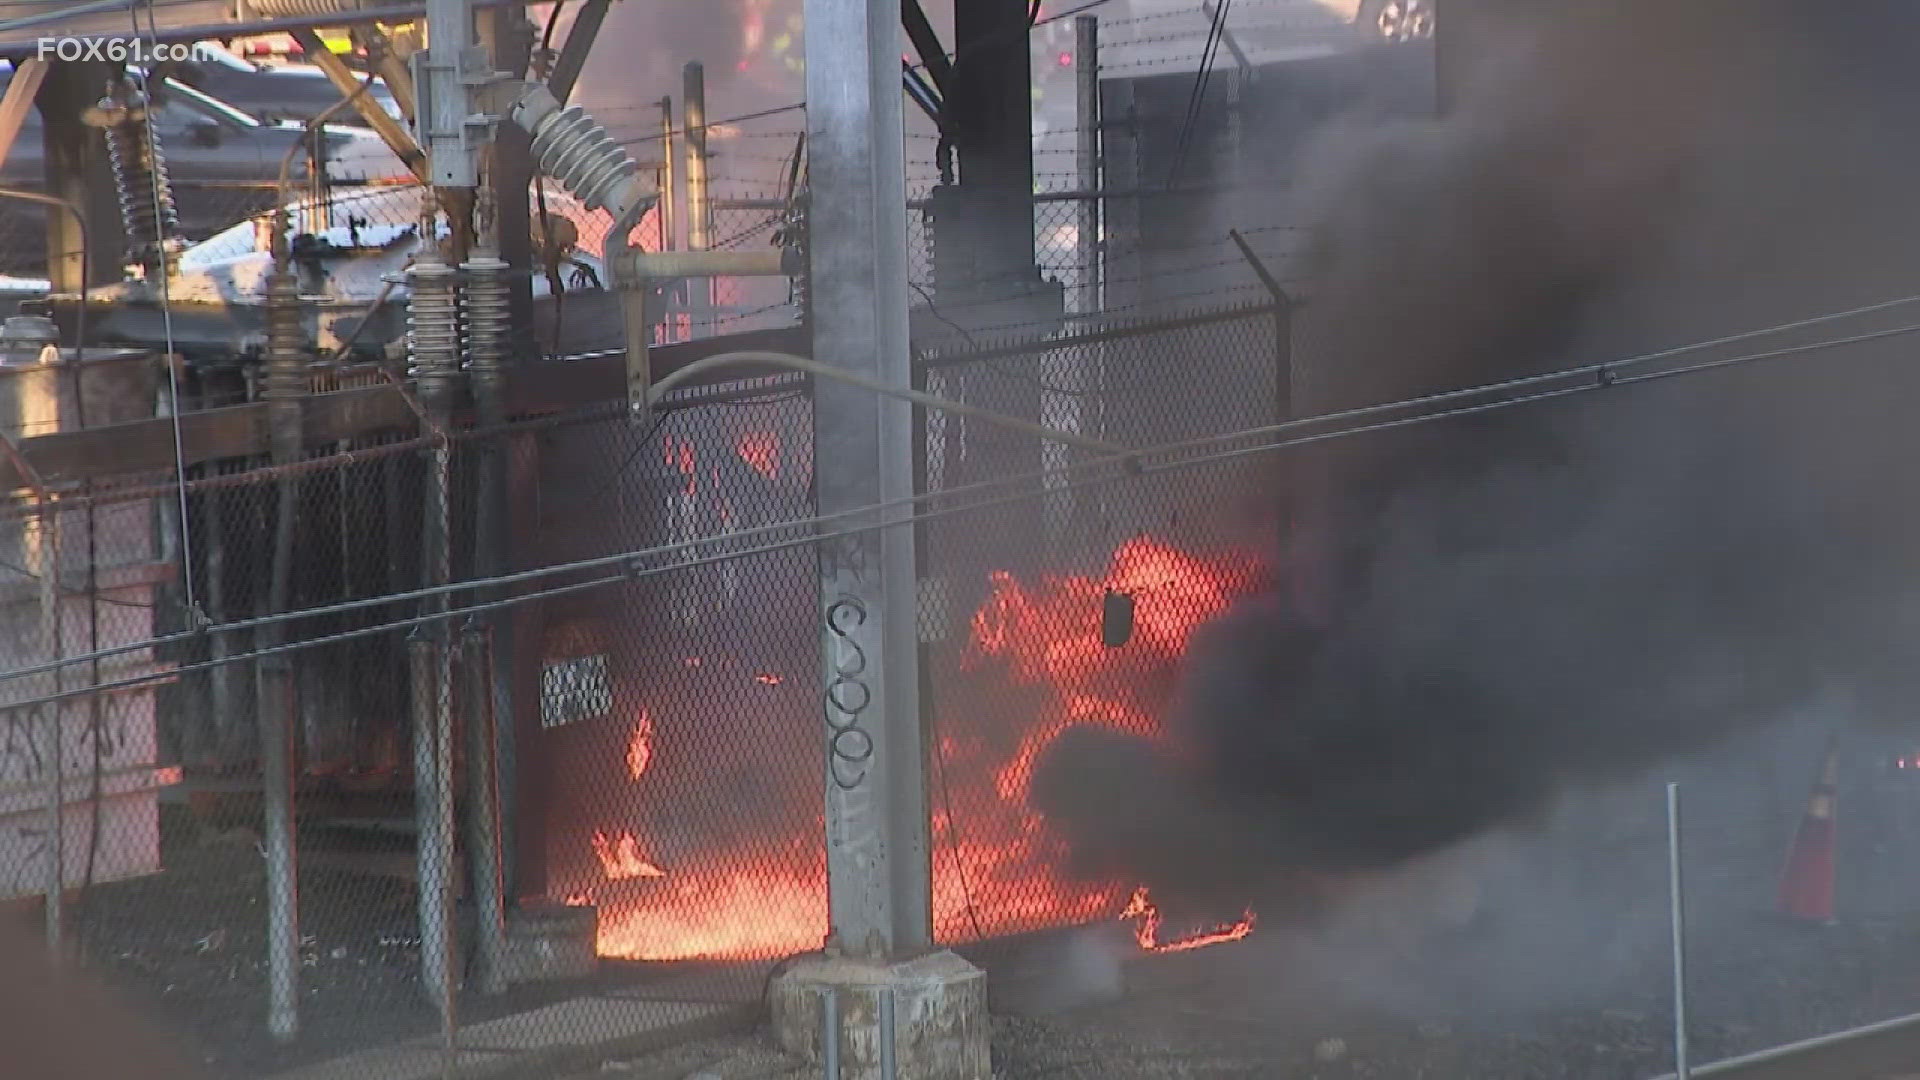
[
  {"x": 1046, "y": 636},
  {"x": 761, "y": 450},
  {"x": 640, "y": 746},
  {"x": 621, "y": 858},
  {"x": 745, "y": 914},
  {"x": 1146, "y": 928},
  {"x": 1038, "y": 644}
]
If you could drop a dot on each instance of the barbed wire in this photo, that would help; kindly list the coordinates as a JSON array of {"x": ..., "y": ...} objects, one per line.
[{"x": 1039, "y": 484}]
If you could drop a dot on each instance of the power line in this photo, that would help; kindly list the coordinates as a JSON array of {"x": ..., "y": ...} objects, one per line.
[
  {"x": 1583, "y": 379},
  {"x": 1196, "y": 100},
  {"x": 1591, "y": 371},
  {"x": 632, "y": 574},
  {"x": 166, "y": 321}
]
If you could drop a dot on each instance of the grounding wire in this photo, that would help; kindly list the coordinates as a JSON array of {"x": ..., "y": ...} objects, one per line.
[
  {"x": 166, "y": 314},
  {"x": 1603, "y": 374},
  {"x": 629, "y": 572}
]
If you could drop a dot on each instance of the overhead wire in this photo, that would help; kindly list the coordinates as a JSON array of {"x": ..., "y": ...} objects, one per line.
[
  {"x": 524, "y": 576},
  {"x": 1196, "y": 100},
  {"x": 630, "y": 574},
  {"x": 152, "y": 34},
  {"x": 1347, "y": 423}
]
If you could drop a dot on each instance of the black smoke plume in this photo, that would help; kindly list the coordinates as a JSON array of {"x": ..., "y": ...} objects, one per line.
[{"x": 1563, "y": 594}]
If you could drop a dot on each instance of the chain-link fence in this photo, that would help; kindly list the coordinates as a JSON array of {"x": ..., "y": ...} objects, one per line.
[
  {"x": 1017, "y": 651},
  {"x": 660, "y": 801}
]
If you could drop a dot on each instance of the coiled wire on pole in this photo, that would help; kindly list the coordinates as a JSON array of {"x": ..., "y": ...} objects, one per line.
[
  {"x": 484, "y": 299},
  {"x": 140, "y": 178},
  {"x": 286, "y": 355},
  {"x": 433, "y": 326}
]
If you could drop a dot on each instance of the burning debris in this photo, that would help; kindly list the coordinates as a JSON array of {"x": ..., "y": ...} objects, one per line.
[{"x": 1148, "y": 923}]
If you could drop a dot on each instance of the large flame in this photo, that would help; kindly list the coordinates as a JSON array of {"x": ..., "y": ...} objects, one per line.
[
  {"x": 1047, "y": 637},
  {"x": 1037, "y": 650}
]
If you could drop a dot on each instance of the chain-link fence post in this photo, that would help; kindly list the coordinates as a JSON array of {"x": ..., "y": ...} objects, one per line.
[
  {"x": 1086, "y": 32},
  {"x": 483, "y": 812},
  {"x": 432, "y": 723},
  {"x": 47, "y": 567}
]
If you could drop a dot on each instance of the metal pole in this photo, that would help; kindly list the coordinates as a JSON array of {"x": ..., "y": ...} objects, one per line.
[
  {"x": 433, "y": 782},
  {"x": 888, "y": 1069},
  {"x": 1070, "y": 513},
  {"x": 878, "y": 871},
  {"x": 276, "y": 711},
  {"x": 434, "y": 343},
  {"x": 424, "y": 661},
  {"x": 699, "y": 208},
  {"x": 47, "y": 566},
  {"x": 1086, "y": 53},
  {"x": 669, "y": 178},
  {"x": 423, "y": 682},
  {"x": 587, "y": 20},
  {"x": 830, "y": 1034},
  {"x": 443, "y": 106},
  {"x": 1676, "y": 901},
  {"x": 483, "y": 814}
]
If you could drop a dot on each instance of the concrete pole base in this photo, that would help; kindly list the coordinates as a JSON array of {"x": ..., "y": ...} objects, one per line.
[
  {"x": 548, "y": 942},
  {"x": 939, "y": 1015}
]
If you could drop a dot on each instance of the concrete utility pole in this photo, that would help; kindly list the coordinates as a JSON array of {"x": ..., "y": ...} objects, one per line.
[
  {"x": 876, "y": 802},
  {"x": 878, "y": 960}
]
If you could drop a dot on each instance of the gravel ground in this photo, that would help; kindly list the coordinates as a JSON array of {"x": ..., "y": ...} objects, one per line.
[
  {"x": 1516, "y": 994},
  {"x": 1504, "y": 998},
  {"x": 188, "y": 946},
  {"x": 1196, "y": 1016}
]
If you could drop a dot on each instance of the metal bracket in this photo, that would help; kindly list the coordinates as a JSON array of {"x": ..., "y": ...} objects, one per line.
[
  {"x": 473, "y": 76},
  {"x": 25, "y": 468}
]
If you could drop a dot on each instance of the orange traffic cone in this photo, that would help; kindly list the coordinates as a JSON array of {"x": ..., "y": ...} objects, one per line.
[{"x": 1806, "y": 886}]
